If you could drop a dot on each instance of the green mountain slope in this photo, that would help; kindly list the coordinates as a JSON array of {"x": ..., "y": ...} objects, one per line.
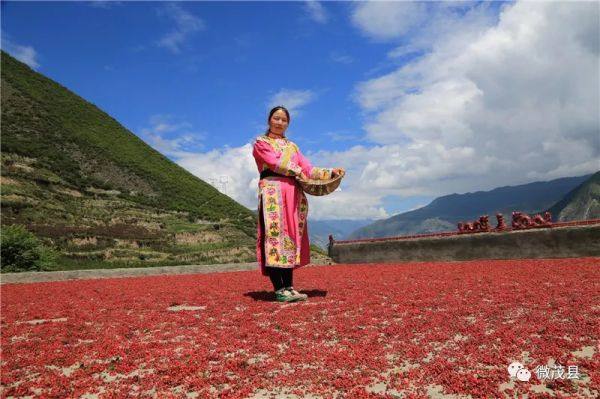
[
  {"x": 70, "y": 172},
  {"x": 443, "y": 213},
  {"x": 581, "y": 203}
]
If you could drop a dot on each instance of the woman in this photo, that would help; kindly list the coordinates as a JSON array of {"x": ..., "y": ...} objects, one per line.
[{"x": 282, "y": 240}]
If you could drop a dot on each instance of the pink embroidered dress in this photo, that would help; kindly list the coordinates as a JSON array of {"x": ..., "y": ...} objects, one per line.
[{"x": 282, "y": 239}]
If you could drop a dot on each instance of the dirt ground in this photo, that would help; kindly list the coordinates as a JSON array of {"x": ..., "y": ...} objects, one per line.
[{"x": 34, "y": 277}]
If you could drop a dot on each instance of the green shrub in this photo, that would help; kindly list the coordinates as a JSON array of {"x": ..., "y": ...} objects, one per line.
[
  {"x": 317, "y": 249},
  {"x": 22, "y": 251}
]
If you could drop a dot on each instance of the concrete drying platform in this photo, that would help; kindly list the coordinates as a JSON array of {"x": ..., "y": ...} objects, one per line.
[{"x": 542, "y": 243}]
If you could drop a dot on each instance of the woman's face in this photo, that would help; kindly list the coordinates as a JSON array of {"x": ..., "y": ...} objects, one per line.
[{"x": 278, "y": 122}]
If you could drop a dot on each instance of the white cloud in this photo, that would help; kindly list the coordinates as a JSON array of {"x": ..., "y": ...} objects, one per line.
[
  {"x": 346, "y": 204},
  {"x": 511, "y": 101},
  {"x": 293, "y": 100},
  {"x": 342, "y": 136},
  {"x": 384, "y": 20},
  {"x": 25, "y": 54},
  {"x": 488, "y": 104},
  {"x": 447, "y": 26},
  {"x": 232, "y": 170},
  {"x": 316, "y": 11},
  {"x": 186, "y": 24},
  {"x": 341, "y": 58},
  {"x": 103, "y": 3},
  {"x": 172, "y": 139}
]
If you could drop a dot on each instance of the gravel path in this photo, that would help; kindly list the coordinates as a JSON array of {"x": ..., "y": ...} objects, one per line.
[{"x": 34, "y": 277}]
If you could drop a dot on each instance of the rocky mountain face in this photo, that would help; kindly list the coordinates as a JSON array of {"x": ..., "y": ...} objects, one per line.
[{"x": 583, "y": 202}]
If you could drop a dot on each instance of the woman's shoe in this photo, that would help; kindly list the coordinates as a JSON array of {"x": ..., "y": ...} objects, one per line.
[
  {"x": 284, "y": 295},
  {"x": 296, "y": 294}
]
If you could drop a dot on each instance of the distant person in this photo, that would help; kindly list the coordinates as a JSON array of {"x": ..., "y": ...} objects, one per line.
[{"x": 282, "y": 240}]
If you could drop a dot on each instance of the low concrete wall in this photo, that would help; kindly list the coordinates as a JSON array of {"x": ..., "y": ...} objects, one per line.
[{"x": 556, "y": 242}]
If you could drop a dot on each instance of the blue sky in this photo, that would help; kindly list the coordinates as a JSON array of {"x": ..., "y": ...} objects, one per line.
[
  {"x": 388, "y": 91},
  {"x": 219, "y": 77}
]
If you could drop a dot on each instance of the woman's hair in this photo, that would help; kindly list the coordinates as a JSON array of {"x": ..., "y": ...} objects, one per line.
[{"x": 275, "y": 109}]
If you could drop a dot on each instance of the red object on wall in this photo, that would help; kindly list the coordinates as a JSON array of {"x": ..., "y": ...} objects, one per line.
[
  {"x": 501, "y": 225},
  {"x": 520, "y": 220},
  {"x": 476, "y": 226}
]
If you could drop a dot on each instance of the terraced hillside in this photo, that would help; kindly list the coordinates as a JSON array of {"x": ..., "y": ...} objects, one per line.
[{"x": 97, "y": 193}]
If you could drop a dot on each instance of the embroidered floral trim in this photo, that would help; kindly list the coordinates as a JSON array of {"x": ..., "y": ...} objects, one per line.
[
  {"x": 303, "y": 212},
  {"x": 280, "y": 249},
  {"x": 286, "y": 165}
]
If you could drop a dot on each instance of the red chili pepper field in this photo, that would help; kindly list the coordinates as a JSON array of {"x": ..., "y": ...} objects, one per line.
[{"x": 412, "y": 330}]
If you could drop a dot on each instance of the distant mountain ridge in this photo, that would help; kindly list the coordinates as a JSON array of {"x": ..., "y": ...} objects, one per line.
[
  {"x": 319, "y": 230},
  {"x": 443, "y": 213},
  {"x": 99, "y": 194}
]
